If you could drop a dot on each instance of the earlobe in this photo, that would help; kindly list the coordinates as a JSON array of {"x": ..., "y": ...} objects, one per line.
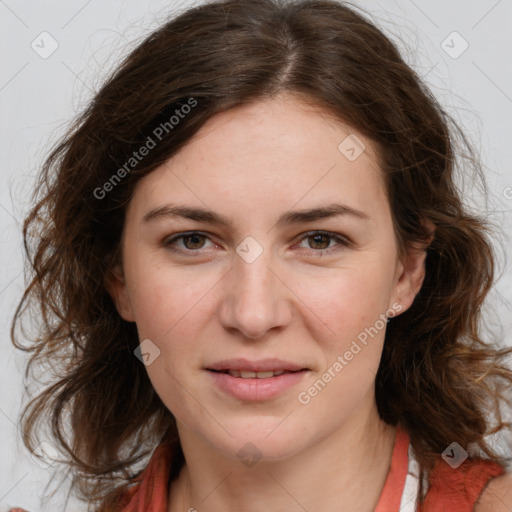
[{"x": 116, "y": 287}]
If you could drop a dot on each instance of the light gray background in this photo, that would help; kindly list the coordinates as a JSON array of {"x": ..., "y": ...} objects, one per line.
[{"x": 39, "y": 96}]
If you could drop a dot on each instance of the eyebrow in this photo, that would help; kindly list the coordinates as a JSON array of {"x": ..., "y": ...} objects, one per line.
[{"x": 287, "y": 218}]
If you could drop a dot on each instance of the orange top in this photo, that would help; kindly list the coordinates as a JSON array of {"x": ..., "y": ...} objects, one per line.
[
  {"x": 393, "y": 489},
  {"x": 456, "y": 490},
  {"x": 150, "y": 495}
]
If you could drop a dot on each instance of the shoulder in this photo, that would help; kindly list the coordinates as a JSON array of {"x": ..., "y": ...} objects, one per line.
[
  {"x": 476, "y": 485},
  {"x": 497, "y": 496}
]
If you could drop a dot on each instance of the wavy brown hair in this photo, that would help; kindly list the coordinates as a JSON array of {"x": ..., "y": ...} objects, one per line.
[{"x": 438, "y": 377}]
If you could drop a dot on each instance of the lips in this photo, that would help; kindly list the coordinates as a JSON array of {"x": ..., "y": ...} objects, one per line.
[{"x": 255, "y": 381}]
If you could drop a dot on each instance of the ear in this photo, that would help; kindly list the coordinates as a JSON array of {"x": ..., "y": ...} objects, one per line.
[
  {"x": 411, "y": 271},
  {"x": 116, "y": 287}
]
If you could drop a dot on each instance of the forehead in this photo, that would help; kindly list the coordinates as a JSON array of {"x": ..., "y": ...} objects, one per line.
[{"x": 267, "y": 157}]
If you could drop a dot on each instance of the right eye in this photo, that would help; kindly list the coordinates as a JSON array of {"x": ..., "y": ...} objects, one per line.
[{"x": 189, "y": 242}]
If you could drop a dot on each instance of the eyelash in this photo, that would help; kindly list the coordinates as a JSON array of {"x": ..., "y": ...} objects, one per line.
[{"x": 342, "y": 241}]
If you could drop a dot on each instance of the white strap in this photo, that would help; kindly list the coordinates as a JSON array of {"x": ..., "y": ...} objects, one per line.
[{"x": 411, "y": 487}]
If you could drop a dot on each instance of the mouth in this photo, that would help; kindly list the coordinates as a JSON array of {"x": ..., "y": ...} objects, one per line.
[
  {"x": 267, "y": 368},
  {"x": 249, "y": 374},
  {"x": 255, "y": 381}
]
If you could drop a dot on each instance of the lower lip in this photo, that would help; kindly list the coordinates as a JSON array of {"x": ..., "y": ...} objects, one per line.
[{"x": 256, "y": 389}]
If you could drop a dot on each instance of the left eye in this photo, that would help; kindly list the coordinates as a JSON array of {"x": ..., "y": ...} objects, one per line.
[{"x": 318, "y": 241}]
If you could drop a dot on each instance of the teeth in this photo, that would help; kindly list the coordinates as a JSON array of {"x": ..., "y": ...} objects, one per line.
[
  {"x": 264, "y": 375},
  {"x": 248, "y": 374},
  {"x": 255, "y": 375}
]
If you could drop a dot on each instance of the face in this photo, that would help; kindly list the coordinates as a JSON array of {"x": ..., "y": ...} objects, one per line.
[{"x": 282, "y": 257}]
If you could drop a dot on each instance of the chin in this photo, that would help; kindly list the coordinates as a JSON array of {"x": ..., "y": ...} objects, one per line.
[{"x": 259, "y": 438}]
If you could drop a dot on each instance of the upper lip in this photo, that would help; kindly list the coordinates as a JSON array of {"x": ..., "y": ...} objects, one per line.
[{"x": 261, "y": 365}]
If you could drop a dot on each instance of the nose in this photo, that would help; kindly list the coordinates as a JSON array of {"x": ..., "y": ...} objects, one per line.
[{"x": 256, "y": 298}]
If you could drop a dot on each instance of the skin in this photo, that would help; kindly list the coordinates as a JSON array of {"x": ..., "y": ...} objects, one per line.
[
  {"x": 253, "y": 164},
  {"x": 497, "y": 496}
]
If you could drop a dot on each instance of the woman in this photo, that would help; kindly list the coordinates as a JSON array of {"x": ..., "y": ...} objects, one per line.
[{"x": 252, "y": 255}]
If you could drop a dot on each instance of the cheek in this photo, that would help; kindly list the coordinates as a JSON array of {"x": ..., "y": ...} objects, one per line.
[
  {"x": 166, "y": 298},
  {"x": 350, "y": 299},
  {"x": 171, "y": 307},
  {"x": 353, "y": 304}
]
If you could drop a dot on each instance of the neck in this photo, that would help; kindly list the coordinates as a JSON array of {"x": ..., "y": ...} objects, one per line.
[{"x": 343, "y": 472}]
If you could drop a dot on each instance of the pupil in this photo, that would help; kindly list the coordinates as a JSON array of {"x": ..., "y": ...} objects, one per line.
[
  {"x": 194, "y": 237},
  {"x": 316, "y": 242}
]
